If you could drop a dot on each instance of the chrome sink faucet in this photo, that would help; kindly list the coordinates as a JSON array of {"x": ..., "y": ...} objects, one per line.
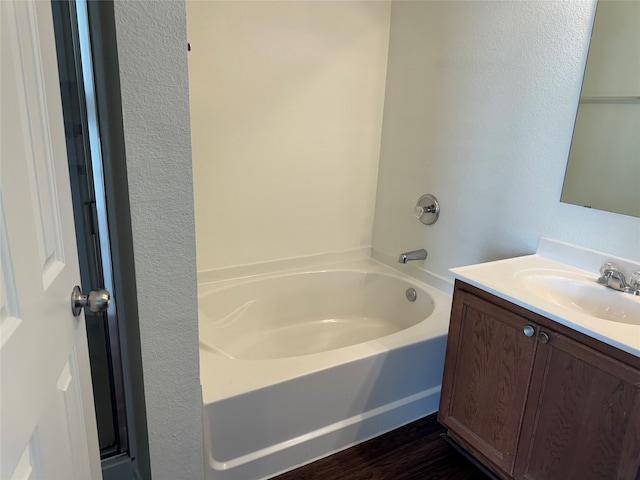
[
  {"x": 413, "y": 255},
  {"x": 613, "y": 278}
]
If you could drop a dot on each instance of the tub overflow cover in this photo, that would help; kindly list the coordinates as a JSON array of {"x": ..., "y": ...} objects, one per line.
[{"x": 411, "y": 294}]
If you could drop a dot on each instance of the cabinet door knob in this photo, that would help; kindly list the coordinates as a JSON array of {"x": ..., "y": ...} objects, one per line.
[
  {"x": 543, "y": 337},
  {"x": 529, "y": 331}
]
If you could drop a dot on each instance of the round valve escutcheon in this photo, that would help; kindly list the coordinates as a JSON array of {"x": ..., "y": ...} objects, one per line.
[{"x": 427, "y": 210}]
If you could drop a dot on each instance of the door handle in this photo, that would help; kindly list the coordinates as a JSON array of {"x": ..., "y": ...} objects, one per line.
[{"x": 96, "y": 300}]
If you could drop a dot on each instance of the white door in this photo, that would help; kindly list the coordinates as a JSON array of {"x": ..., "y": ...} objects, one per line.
[{"x": 47, "y": 419}]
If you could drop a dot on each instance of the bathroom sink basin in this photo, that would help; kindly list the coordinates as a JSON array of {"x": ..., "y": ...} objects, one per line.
[{"x": 582, "y": 294}]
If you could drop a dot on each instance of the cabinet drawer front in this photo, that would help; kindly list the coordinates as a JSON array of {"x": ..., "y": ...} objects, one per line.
[
  {"x": 583, "y": 416},
  {"x": 487, "y": 371}
]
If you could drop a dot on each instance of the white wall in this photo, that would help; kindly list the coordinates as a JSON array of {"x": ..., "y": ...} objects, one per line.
[
  {"x": 479, "y": 110},
  {"x": 286, "y": 112},
  {"x": 152, "y": 59}
]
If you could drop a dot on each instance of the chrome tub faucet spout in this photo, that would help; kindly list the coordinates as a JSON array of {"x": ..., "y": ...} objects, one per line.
[{"x": 413, "y": 255}]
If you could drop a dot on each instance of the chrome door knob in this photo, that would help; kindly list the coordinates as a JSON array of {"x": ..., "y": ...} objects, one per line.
[
  {"x": 528, "y": 331},
  {"x": 96, "y": 300}
]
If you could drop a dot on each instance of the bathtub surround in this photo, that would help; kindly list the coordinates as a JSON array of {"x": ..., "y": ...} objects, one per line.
[
  {"x": 480, "y": 100},
  {"x": 286, "y": 112}
]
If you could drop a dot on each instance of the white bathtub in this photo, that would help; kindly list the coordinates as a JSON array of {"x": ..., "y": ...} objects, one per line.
[{"x": 298, "y": 365}]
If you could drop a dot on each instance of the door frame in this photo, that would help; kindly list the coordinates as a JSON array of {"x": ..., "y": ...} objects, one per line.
[
  {"x": 134, "y": 462},
  {"x": 144, "y": 61}
]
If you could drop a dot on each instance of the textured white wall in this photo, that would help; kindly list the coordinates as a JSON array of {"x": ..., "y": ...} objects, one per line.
[
  {"x": 480, "y": 103},
  {"x": 152, "y": 58},
  {"x": 286, "y": 110}
]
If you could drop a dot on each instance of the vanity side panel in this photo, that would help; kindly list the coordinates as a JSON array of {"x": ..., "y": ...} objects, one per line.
[
  {"x": 488, "y": 366},
  {"x": 583, "y": 416}
]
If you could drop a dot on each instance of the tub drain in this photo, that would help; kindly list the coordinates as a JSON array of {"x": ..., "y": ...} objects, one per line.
[{"x": 411, "y": 294}]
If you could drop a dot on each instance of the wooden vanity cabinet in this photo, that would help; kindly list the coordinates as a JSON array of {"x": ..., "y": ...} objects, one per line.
[{"x": 532, "y": 399}]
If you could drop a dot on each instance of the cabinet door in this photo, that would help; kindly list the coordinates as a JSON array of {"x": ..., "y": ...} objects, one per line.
[
  {"x": 488, "y": 365},
  {"x": 583, "y": 416}
]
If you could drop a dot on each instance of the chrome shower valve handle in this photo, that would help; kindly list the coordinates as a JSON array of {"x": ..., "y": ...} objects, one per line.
[{"x": 427, "y": 209}]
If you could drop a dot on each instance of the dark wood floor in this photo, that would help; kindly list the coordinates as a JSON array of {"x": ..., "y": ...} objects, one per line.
[{"x": 413, "y": 452}]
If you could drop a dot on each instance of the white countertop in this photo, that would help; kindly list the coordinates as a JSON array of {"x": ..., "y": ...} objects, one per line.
[{"x": 503, "y": 278}]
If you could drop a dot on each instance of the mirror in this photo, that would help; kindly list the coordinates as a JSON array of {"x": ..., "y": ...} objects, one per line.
[{"x": 603, "y": 170}]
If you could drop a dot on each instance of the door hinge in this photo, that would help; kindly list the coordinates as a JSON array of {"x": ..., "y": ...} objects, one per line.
[{"x": 91, "y": 217}]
